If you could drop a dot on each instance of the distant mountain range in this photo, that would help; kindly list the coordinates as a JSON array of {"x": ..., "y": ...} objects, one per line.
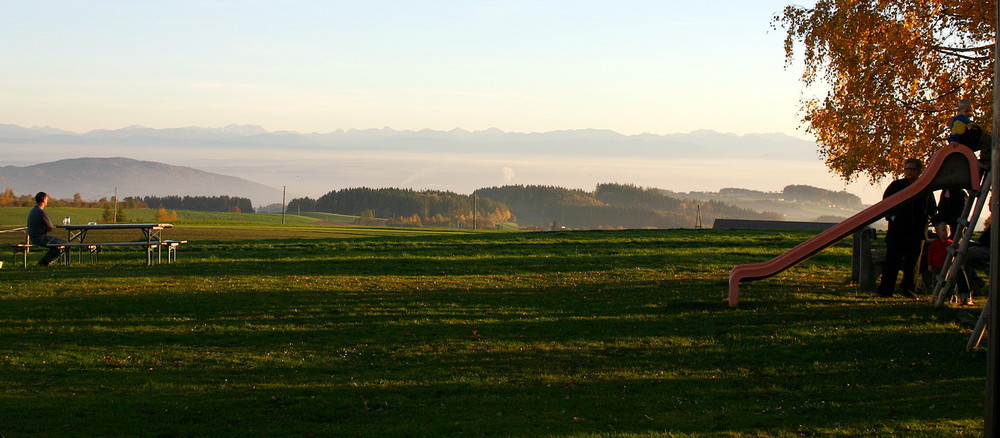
[
  {"x": 313, "y": 164},
  {"x": 95, "y": 178},
  {"x": 590, "y": 142}
]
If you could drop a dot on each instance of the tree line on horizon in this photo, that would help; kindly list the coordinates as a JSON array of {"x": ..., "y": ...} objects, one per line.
[
  {"x": 795, "y": 193},
  {"x": 408, "y": 207},
  {"x": 609, "y": 206},
  {"x": 198, "y": 203},
  {"x": 613, "y": 206},
  {"x": 10, "y": 199},
  {"x": 233, "y": 204}
]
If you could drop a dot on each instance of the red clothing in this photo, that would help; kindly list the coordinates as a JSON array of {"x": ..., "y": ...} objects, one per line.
[{"x": 937, "y": 252}]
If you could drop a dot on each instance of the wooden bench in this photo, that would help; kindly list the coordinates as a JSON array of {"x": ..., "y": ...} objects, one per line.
[
  {"x": 97, "y": 248},
  {"x": 172, "y": 246},
  {"x": 93, "y": 248},
  {"x": 24, "y": 249}
]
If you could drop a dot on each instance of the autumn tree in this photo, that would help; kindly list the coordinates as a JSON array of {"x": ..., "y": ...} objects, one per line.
[
  {"x": 301, "y": 204},
  {"x": 7, "y": 197},
  {"x": 113, "y": 212},
  {"x": 367, "y": 218},
  {"x": 162, "y": 215},
  {"x": 894, "y": 71}
]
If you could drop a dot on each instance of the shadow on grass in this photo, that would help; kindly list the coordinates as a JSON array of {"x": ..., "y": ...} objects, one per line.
[
  {"x": 548, "y": 378},
  {"x": 417, "y": 339}
]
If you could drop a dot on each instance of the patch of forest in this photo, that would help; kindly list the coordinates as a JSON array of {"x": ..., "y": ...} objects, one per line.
[
  {"x": 609, "y": 206},
  {"x": 794, "y": 202}
]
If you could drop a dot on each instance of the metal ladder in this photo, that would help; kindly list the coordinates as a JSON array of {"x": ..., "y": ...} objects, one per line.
[{"x": 955, "y": 260}]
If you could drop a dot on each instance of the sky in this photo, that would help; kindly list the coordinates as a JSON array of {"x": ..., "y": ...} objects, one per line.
[
  {"x": 653, "y": 66},
  {"x": 634, "y": 67}
]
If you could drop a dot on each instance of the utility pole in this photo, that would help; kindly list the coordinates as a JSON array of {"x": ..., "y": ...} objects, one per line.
[
  {"x": 993, "y": 324},
  {"x": 114, "y": 208},
  {"x": 282, "y": 205}
]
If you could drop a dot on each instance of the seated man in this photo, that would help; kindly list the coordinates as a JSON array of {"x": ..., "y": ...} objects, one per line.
[{"x": 39, "y": 227}]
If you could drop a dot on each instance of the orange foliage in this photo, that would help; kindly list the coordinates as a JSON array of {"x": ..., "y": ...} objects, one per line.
[{"x": 895, "y": 71}]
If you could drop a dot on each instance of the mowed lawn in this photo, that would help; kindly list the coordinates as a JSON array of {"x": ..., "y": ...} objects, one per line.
[{"x": 615, "y": 333}]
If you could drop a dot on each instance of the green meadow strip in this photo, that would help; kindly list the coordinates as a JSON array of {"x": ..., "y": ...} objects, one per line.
[{"x": 299, "y": 330}]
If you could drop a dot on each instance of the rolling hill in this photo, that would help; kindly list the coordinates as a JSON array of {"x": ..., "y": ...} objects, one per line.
[{"x": 95, "y": 178}]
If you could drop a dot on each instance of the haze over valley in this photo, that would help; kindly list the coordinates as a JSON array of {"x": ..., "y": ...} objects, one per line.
[{"x": 310, "y": 165}]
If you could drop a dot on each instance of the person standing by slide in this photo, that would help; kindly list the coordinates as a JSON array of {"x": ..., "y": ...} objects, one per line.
[
  {"x": 906, "y": 234},
  {"x": 950, "y": 206}
]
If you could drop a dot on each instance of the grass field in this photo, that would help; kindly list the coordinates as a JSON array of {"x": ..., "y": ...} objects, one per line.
[
  {"x": 12, "y": 217},
  {"x": 387, "y": 333}
]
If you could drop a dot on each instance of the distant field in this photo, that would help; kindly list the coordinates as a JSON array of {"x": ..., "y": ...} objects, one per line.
[
  {"x": 216, "y": 226},
  {"x": 331, "y": 217},
  {"x": 567, "y": 334},
  {"x": 16, "y": 216}
]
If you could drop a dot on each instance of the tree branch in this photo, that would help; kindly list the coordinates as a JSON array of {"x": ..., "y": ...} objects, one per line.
[
  {"x": 915, "y": 105},
  {"x": 962, "y": 49},
  {"x": 955, "y": 53}
]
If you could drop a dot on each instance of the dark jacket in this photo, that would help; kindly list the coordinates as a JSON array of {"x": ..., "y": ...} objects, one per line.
[
  {"x": 950, "y": 206},
  {"x": 984, "y": 238},
  {"x": 909, "y": 219},
  {"x": 39, "y": 223}
]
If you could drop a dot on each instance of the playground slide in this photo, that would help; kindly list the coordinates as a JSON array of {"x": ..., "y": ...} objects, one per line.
[{"x": 950, "y": 167}]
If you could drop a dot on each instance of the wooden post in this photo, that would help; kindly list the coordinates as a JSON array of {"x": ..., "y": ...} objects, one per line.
[
  {"x": 857, "y": 256},
  {"x": 862, "y": 266}
]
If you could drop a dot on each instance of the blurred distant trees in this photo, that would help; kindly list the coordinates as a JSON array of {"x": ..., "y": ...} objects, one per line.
[
  {"x": 367, "y": 218},
  {"x": 802, "y": 193},
  {"x": 612, "y": 206},
  {"x": 114, "y": 212},
  {"x": 405, "y": 207},
  {"x": 299, "y": 205},
  {"x": 894, "y": 71},
  {"x": 162, "y": 215},
  {"x": 200, "y": 203},
  {"x": 609, "y": 206}
]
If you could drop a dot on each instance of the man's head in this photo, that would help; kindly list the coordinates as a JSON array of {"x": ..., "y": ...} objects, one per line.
[
  {"x": 41, "y": 198},
  {"x": 965, "y": 108},
  {"x": 912, "y": 168}
]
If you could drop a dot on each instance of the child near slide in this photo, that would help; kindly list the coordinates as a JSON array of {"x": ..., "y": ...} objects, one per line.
[
  {"x": 936, "y": 254},
  {"x": 967, "y": 133}
]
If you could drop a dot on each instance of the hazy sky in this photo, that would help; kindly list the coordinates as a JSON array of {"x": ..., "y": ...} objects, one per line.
[{"x": 317, "y": 66}]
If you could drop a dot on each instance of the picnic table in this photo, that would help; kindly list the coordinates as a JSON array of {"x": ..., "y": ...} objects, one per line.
[
  {"x": 78, "y": 233},
  {"x": 20, "y": 247}
]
